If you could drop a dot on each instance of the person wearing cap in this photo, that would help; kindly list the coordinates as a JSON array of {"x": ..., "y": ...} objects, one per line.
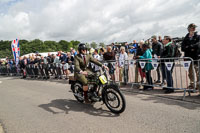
[
  {"x": 190, "y": 46},
  {"x": 157, "y": 48}
]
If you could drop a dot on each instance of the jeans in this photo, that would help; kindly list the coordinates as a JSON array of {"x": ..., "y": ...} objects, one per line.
[
  {"x": 149, "y": 78},
  {"x": 167, "y": 75}
]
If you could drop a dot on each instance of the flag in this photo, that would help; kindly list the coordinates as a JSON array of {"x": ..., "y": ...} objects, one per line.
[{"x": 15, "y": 50}]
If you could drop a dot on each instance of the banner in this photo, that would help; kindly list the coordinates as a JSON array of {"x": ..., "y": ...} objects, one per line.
[
  {"x": 15, "y": 50},
  {"x": 169, "y": 65},
  {"x": 131, "y": 62},
  {"x": 186, "y": 64},
  {"x": 154, "y": 64},
  {"x": 105, "y": 64},
  {"x": 113, "y": 64},
  {"x": 121, "y": 63},
  {"x": 142, "y": 64}
]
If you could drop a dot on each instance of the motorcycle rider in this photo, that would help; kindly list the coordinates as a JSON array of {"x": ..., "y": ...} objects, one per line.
[{"x": 81, "y": 71}]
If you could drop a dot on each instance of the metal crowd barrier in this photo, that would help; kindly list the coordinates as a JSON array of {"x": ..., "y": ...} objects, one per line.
[
  {"x": 8, "y": 70},
  {"x": 37, "y": 70},
  {"x": 134, "y": 73}
]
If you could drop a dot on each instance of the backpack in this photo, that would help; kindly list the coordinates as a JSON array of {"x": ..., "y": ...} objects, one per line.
[{"x": 177, "y": 52}]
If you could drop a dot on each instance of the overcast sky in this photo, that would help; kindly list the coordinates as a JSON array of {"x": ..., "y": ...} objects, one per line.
[{"x": 96, "y": 20}]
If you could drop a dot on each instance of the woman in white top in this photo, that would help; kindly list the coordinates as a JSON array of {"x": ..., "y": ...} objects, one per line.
[{"x": 122, "y": 58}]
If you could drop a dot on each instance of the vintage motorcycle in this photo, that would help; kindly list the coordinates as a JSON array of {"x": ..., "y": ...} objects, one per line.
[{"x": 100, "y": 89}]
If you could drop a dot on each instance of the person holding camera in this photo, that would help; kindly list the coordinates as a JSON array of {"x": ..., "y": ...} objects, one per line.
[{"x": 190, "y": 46}]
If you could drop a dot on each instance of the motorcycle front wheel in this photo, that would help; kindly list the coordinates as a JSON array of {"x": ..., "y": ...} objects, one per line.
[{"x": 114, "y": 99}]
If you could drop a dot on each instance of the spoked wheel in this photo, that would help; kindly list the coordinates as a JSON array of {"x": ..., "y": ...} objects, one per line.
[
  {"x": 114, "y": 99},
  {"x": 78, "y": 92}
]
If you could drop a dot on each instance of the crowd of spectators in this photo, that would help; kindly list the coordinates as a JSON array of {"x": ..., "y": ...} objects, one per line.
[{"x": 57, "y": 65}]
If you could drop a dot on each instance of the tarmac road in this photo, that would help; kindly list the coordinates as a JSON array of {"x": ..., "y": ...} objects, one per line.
[{"x": 33, "y": 106}]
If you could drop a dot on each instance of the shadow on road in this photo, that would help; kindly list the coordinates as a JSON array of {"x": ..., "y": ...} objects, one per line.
[
  {"x": 183, "y": 104},
  {"x": 68, "y": 105},
  {"x": 166, "y": 99}
]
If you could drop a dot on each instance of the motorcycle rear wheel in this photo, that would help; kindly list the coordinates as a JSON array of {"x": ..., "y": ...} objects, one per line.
[{"x": 78, "y": 91}]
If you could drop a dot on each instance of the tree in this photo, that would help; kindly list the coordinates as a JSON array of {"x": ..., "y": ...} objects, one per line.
[
  {"x": 93, "y": 45},
  {"x": 51, "y": 46},
  {"x": 75, "y": 44},
  {"x": 64, "y": 45},
  {"x": 102, "y": 45},
  {"x": 87, "y": 45},
  {"x": 36, "y": 45}
]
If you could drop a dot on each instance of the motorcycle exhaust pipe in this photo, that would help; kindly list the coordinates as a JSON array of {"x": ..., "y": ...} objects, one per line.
[{"x": 78, "y": 95}]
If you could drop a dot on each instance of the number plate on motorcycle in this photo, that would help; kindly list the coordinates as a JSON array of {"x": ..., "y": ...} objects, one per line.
[{"x": 103, "y": 79}]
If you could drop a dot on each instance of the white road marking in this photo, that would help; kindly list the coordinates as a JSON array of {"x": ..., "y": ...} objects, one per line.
[{"x": 0, "y": 82}]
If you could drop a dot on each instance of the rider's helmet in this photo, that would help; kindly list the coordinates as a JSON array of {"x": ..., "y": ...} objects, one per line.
[
  {"x": 82, "y": 46},
  {"x": 192, "y": 25}
]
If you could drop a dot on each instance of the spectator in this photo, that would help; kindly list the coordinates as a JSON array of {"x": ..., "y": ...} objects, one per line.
[
  {"x": 168, "y": 52},
  {"x": 24, "y": 62},
  {"x": 74, "y": 52},
  {"x": 148, "y": 67},
  {"x": 190, "y": 46},
  {"x": 110, "y": 56},
  {"x": 114, "y": 48},
  {"x": 97, "y": 57},
  {"x": 157, "y": 52},
  {"x": 57, "y": 67},
  {"x": 102, "y": 51},
  {"x": 70, "y": 62},
  {"x": 122, "y": 58},
  {"x": 36, "y": 66},
  {"x": 59, "y": 54},
  {"x": 21, "y": 65},
  {"x": 160, "y": 39},
  {"x": 43, "y": 68},
  {"x": 28, "y": 69},
  {"x": 140, "y": 52},
  {"x": 50, "y": 63},
  {"x": 71, "y": 51},
  {"x": 133, "y": 50},
  {"x": 91, "y": 51},
  {"x": 63, "y": 59},
  {"x": 31, "y": 64},
  {"x": 127, "y": 48}
]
